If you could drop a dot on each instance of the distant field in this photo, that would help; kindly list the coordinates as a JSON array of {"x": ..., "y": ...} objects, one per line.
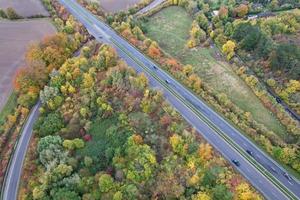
[
  {"x": 116, "y": 5},
  {"x": 25, "y": 8},
  {"x": 14, "y": 39},
  {"x": 170, "y": 28}
]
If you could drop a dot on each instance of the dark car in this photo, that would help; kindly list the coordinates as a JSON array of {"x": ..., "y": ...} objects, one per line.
[
  {"x": 236, "y": 162},
  {"x": 249, "y": 152},
  {"x": 286, "y": 175},
  {"x": 278, "y": 100},
  {"x": 167, "y": 81},
  {"x": 273, "y": 169},
  {"x": 154, "y": 67}
]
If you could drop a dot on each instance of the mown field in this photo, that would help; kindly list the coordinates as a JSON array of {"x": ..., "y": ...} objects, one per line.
[
  {"x": 170, "y": 28},
  {"x": 116, "y": 5},
  {"x": 14, "y": 39},
  {"x": 25, "y": 8}
]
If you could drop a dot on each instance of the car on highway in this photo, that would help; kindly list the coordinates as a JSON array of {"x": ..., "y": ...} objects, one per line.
[
  {"x": 278, "y": 100},
  {"x": 286, "y": 175},
  {"x": 167, "y": 81},
  {"x": 273, "y": 169},
  {"x": 154, "y": 67},
  {"x": 236, "y": 162},
  {"x": 249, "y": 152}
]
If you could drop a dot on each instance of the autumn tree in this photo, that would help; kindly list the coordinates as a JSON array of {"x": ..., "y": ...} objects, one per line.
[
  {"x": 228, "y": 49},
  {"x": 197, "y": 35},
  {"x": 241, "y": 10},
  {"x": 223, "y": 13},
  {"x": 12, "y": 14}
]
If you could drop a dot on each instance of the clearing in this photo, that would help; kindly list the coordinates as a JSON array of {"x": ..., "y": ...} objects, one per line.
[
  {"x": 170, "y": 28},
  {"x": 15, "y": 36},
  {"x": 25, "y": 8}
]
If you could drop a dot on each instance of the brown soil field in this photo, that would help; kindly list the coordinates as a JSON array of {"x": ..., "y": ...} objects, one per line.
[
  {"x": 25, "y": 8},
  {"x": 116, "y": 5},
  {"x": 15, "y": 36}
]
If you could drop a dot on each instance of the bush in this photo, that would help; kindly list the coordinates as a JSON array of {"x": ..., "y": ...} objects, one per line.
[
  {"x": 12, "y": 14},
  {"x": 2, "y": 14}
]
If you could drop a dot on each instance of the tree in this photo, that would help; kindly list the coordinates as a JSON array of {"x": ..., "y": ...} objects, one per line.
[
  {"x": 49, "y": 125},
  {"x": 140, "y": 162},
  {"x": 178, "y": 145},
  {"x": 223, "y": 13},
  {"x": 154, "y": 51},
  {"x": 2, "y": 14},
  {"x": 64, "y": 194},
  {"x": 228, "y": 49},
  {"x": 201, "y": 196},
  {"x": 286, "y": 57},
  {"x": 106, "y": 183},
  {"x": 205, "y": 151},
  {"x": 241, "y": 10},
  {"x": 38, "y": 193},
  {"x": 221, "y": 192},
  {"x": 202, "y": 20},
  {"x": 12, "y": 14},
  {"x": 47, "y": 141},
  {"x": 244, "y": 192}
]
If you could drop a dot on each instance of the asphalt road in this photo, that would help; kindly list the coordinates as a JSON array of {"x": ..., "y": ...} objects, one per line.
[
  {"x": 214, "y": 128},
  {"x": 10, "y": 191},
  {"x": 152, "y": 5}
]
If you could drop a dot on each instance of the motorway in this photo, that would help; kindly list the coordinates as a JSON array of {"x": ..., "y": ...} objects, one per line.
[
  {"x": 227, "y": 140},
  {"x": 263, "y": 172}
]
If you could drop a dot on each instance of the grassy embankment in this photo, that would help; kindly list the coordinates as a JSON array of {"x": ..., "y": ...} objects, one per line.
[{"x": 170, "y": 28}]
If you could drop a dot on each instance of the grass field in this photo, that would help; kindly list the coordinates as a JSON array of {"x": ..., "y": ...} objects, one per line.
[
  {"x": 15, "y": 36},
  {"x": 170, "y": 28},
  {"x": 114, "y": 6},
  {"x": 107, "y": 139},
  {"x": 25, "y": 8}
]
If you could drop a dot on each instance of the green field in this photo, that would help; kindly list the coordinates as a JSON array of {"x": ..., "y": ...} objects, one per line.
[{"x": 170, "y": 28}]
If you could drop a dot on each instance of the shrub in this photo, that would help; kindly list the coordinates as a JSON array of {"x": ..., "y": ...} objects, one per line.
[{"x": 12, "y": 14}]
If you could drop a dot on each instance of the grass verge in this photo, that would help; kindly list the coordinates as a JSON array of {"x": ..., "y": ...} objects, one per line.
[{"x": 8, "y": 107}]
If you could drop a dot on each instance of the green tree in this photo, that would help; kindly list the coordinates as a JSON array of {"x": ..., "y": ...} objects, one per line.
[
  {"x": 221, "y": 192},
  {"x": 64, "y": 194},
  {"x": 47, "y": 141},
  {"x": 49, "y": 125},
  {"x": 202, "y": 20},
  {"x": 106, "y": 183}
]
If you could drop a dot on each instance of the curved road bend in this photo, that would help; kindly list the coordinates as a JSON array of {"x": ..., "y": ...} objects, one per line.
[
  {"x": 142, "y": 63},
  {"x": 15, "y": 168}
]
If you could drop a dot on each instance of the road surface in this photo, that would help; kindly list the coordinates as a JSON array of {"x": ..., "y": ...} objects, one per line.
[
  {"x": 12, "y": 178},
  {"x": 152, "y": 5},
  {"x": 259, "y": 169}
]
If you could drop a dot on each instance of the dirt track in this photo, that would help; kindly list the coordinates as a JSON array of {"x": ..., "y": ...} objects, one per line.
[{"x": 14, "y": 39}]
